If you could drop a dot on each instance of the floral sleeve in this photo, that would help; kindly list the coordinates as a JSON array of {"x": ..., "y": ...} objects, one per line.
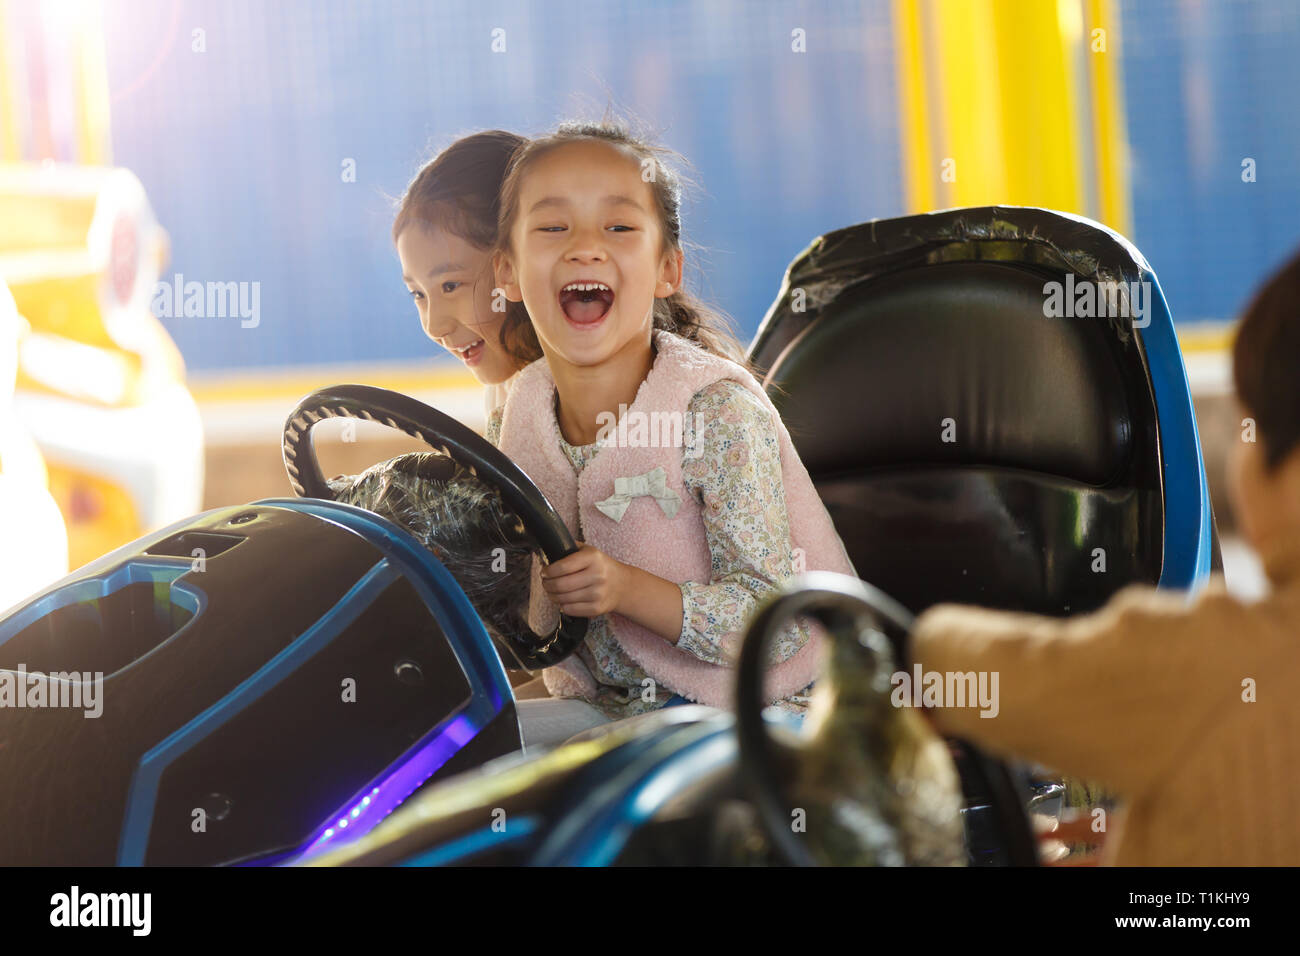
[
  {"x": 492, "y": 431},
  {"x": 732, "y": 466}
]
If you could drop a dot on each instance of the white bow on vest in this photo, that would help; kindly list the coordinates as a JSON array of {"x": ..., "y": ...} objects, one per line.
[{"x": 653, "y": 483}]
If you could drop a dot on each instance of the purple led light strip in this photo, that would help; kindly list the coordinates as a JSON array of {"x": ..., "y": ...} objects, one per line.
[{"x": 369, "y": 810}]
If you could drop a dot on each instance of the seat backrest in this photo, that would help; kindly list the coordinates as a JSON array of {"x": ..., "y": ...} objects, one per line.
[{"x": 969, "y": 446}]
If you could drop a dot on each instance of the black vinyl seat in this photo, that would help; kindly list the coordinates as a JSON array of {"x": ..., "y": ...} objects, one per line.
[{"x": 968, "y": 446}]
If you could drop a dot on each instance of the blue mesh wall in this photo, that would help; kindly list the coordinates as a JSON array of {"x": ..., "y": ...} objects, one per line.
[
  {"x": 240, "y": 146},
  {"x": 1207, "y": 84}
]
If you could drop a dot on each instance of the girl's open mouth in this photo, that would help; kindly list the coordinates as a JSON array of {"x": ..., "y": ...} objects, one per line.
[
  {"x": 470, "y": 354},
  {"x": 586, "y": 303}
]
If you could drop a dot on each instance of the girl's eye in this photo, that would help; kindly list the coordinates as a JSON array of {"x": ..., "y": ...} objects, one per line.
[
  {"x": 416, "y": 294},
  {"x": 449, "y": 287},
  {"x": 551, "y": 229},
  {"x": 620, "y": 228}
]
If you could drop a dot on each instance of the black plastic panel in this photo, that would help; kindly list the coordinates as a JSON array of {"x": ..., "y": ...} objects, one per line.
[
  {"x": 994, "y": 538},
  {"x": 292, "y": 758},
  {"x": 64, "y": 778}
]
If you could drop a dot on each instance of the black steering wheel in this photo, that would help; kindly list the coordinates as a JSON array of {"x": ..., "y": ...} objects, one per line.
[
  {"x": 467, "y": 448},
  {"x": 853, "y": 611}
]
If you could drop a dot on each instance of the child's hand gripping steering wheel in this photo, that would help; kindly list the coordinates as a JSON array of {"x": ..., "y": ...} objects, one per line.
[
  {"x": 467, "y": 448},
  {"x": 867, "y": 760}
]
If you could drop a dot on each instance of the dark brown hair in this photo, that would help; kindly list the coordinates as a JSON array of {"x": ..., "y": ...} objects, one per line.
[
  {"x": 459, "y": 190},
  {"x": 1266, "y": 362},
  {"x": 680, "y": 313}
]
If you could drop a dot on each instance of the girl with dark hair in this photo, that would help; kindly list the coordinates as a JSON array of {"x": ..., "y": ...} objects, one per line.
[
  {"x": 643, "y": 427},
  {"x": 444, "y": 231}
]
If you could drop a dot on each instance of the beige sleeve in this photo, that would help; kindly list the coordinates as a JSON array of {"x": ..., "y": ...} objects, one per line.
[
  {"x": 1112, "y": 696},
  {"x": 494, "y": 396}
]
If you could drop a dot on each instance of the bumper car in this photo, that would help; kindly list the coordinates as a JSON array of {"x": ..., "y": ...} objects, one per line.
[
  {"x": 308, "y": 681},
  {"x": 100, "y": 384},
  {"x": 262, "y": 680}
]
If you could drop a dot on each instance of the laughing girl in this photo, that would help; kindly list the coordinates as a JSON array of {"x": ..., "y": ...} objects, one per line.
[
  {"x": 680, "y": 539},
  {"x": 445, "y": 228}
]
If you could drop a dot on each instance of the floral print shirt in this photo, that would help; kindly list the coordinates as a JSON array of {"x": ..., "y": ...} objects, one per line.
[{"x": 736, "y": 478}]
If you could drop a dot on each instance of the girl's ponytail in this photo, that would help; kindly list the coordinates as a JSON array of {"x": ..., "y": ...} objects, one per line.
[{"x": 684, "y": 315}]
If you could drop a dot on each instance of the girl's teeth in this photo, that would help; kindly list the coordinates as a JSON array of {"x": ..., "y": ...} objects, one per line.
[{"x": 585, "y": 287}]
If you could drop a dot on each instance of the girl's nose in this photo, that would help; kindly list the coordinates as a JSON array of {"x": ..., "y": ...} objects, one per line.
[
  {"x": 586, "y": 245},
  {"x": 437, "y": 327}
]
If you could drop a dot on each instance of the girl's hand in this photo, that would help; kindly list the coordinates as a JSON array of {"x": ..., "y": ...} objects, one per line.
[{"x": 587, "y": 583}]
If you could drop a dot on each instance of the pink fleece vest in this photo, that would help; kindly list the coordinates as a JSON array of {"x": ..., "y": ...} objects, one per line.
[{"x": 674, "y": 548}]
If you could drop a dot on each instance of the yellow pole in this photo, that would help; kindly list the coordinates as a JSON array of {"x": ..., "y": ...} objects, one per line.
[
  {"x": 1110, "y": 140},
  {"x": 1040, "y": 148},
  {"x": 964, "y": 68},
  {"x": 1002, "y": 101},
  {"x": 914, "y": 107}
]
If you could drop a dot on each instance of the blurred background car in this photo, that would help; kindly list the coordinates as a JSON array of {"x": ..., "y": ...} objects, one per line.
[
  {"x": 100, "y": 384},
  {"x": 28, "y": 513}
]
